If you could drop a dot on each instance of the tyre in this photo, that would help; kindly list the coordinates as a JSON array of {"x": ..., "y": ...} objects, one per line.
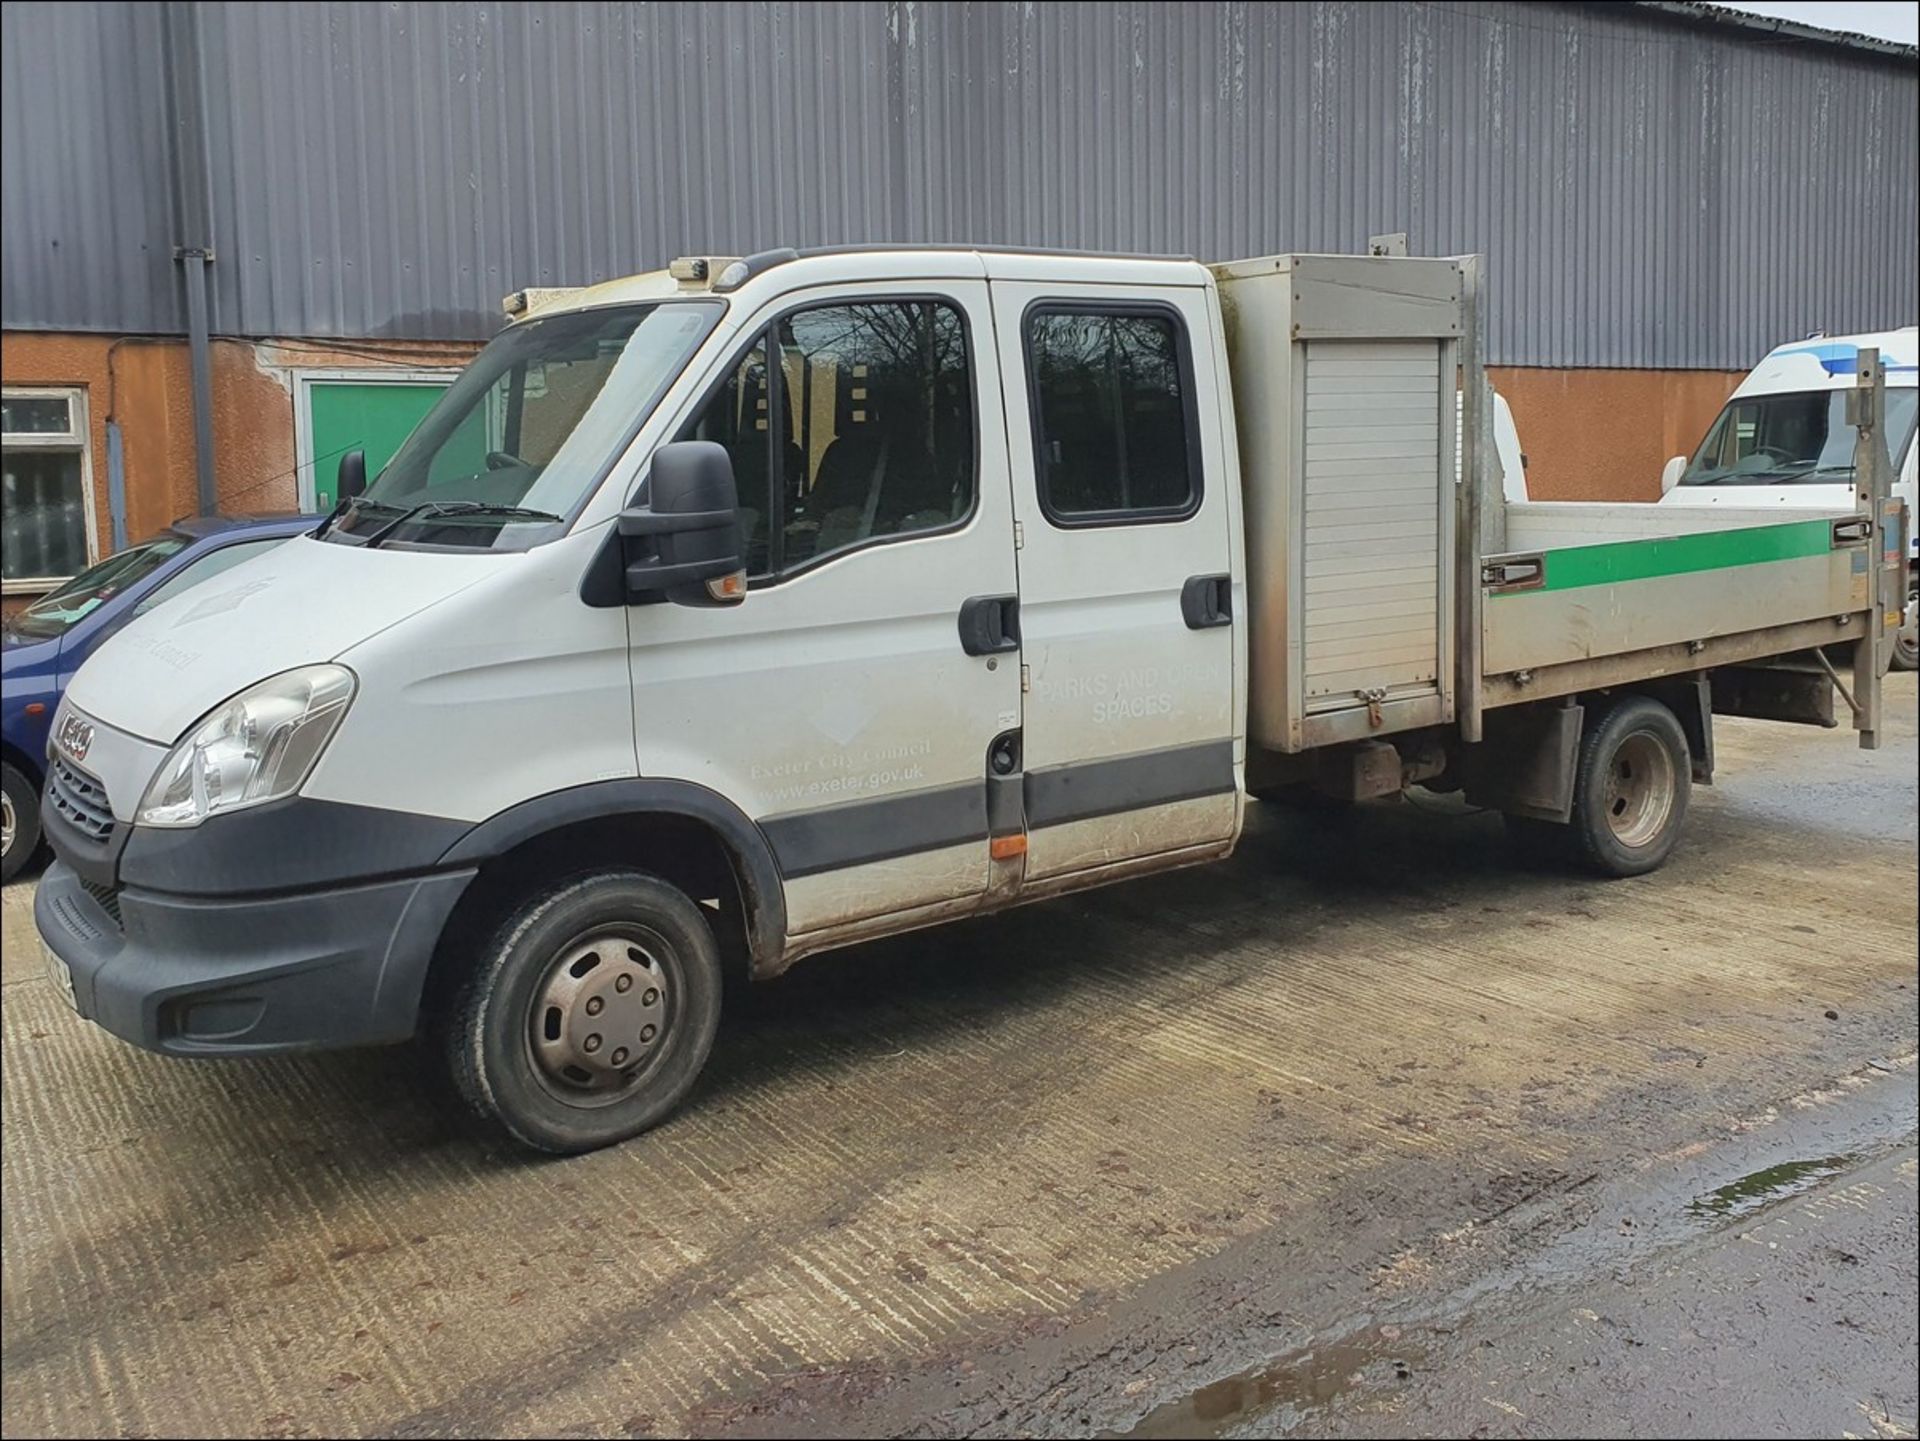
[
  {"x": 589, "y": 1013},
  {"x": 1630, "y": 789},
  {"x": 1906, "y": 644},
  {"x": 19, "y": 822}
]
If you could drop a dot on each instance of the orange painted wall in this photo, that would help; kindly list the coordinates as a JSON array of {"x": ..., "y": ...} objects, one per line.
[
  {"x": 1607, "y": 434},
  {"x": 147, "y": 385}
]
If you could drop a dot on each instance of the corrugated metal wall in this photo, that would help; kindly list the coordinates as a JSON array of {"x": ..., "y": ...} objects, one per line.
[{"x": 1649, "y": 193}]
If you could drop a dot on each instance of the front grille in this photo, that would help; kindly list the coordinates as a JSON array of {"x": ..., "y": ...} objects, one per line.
[
  {"x": 77, "y": 919},
  {"x": 108, "y": 897},
  {"x": 80, "y": 799}
]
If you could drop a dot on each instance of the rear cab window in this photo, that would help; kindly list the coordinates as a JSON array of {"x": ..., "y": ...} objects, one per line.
[{"x": 1116, "y": 439}]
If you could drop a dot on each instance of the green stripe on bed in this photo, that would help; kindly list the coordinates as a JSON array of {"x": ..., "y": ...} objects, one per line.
[{"x": 1584, "y": 565}]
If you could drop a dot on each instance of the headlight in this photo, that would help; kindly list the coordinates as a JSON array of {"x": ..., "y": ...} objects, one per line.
[{"x": 256, "y": 747}]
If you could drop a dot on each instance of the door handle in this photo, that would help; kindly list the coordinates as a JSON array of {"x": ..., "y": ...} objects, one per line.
[
  {"x": 990, "y": 624},
  {"x": 1207, "y": 601}
]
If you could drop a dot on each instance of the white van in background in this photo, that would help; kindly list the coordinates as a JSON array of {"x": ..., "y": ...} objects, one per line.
[{"x": 1783, "y": 439}]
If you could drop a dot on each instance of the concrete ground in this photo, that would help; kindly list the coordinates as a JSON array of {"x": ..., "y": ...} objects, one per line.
[{"x": 1229, "y": 1150}]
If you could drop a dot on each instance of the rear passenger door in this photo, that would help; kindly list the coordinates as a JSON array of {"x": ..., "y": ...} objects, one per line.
[{"x": 1121, "y": 495}]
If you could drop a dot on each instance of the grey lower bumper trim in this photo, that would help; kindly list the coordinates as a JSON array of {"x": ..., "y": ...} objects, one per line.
[{"x": 194, "y": 976}]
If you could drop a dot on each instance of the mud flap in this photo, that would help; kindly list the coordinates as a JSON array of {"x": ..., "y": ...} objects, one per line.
[
  {"x": 1527, "y": 763},
  {"x": 1769, "y": 693}
]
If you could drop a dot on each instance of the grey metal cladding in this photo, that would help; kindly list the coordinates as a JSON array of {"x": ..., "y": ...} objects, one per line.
[
  {"x": 85, "y": 216},
  {"x": 1650, "y": 190}
]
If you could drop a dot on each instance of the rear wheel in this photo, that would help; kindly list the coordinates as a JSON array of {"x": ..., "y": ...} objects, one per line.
[
  {"x": 1631, "y": 789},
  {"x": 590, "y": 1013},
  {"x": 1906, "y": 644},
  {"x": 19, "y": 822}
]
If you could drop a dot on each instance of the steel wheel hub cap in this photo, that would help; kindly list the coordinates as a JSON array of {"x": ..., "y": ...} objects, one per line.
[
  {"x": 1640, "y": 787},
  {"x": 6, "y": 823},
  {"x": 601, "y": 1013}
]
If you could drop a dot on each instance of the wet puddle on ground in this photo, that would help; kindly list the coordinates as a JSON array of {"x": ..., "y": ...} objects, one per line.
[
  {"x": 1287, "y": 1391},
  {"x": 1775, "y": 1183}
]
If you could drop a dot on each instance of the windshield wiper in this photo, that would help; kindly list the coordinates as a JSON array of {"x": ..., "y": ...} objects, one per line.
[
  {"x": 348, "y": 504},
  {"x": 430, "y": 508}
]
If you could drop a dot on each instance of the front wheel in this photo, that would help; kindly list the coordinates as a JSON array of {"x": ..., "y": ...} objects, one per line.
[
  {"x": 1631, "y": 789},
  {"x": 590, "y": 1013},
  {"x": 19, "y": 822}
]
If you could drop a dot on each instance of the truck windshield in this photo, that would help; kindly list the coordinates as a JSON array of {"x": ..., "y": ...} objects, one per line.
[
  {"x": 1793, "y": 438},
  {"x": 510, "y": 452}
]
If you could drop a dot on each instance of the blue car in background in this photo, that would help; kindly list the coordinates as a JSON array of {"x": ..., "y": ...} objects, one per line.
[{"x": 43, "y": 645}]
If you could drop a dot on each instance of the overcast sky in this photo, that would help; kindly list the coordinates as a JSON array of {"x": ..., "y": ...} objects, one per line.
[{"x": 1889, "y": 19}]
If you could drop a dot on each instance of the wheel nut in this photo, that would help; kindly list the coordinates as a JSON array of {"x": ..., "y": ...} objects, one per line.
[
  {"x": 647, "y": 1033},
  {"x": 595, "y": 1005},
  {"x": 650, "y": 997},
  {"x": 620, "y": 1056},
  {"x": 623, "y": 984},
  {"x": 592, "y": 1043}
]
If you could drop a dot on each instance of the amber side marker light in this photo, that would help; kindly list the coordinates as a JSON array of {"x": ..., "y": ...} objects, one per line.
[{"x": 1005, "y": 848}]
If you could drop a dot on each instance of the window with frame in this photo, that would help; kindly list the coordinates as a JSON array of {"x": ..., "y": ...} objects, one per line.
[
  {"x": 847, "y": 424},
  {"x": 1115, "y": 439},
  {"x": 44, "y": 474}
]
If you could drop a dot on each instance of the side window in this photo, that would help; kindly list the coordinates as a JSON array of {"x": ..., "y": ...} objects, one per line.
[
  {"x": 1114, "y": 434},
  {"x": 205, "y": 569},
  {"x": 878, "y": 403},
  {"x": 858, "y": 426}
]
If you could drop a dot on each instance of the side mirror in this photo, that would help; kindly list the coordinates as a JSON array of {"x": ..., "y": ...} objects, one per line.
[
  {"x": 1670, "y": 477},
  {"x": 684, "y": 544},
  {"x": 352, "y": 476}
]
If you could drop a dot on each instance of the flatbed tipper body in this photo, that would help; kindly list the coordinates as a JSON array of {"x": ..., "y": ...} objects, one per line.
[
  {"x": 724, "y": 615},
  {"x": 1394, "y": 591}
]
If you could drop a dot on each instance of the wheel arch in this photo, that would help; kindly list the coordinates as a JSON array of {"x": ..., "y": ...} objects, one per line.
[
  {"x": 33, "y": 770},
  {"x": 686, "y": 834}
]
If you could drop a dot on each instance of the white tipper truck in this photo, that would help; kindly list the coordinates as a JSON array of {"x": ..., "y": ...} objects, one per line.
[{"x": 731, "y": 613}]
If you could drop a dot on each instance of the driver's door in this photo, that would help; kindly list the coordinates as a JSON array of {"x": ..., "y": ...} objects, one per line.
[{"x": 837, "y": 705}]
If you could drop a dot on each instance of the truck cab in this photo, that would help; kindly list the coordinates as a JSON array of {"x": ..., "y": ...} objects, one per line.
[{"x": 953, "y": 618}]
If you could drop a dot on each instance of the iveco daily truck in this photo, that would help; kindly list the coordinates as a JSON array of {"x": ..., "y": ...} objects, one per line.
[{"x": 727, "y": 614}]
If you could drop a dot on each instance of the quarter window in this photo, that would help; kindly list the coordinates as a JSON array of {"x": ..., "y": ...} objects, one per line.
[
  {"x": 44, "y": 532},
  {"x": 1114, "y": 432},
  {"x": 847, "y": 424}
]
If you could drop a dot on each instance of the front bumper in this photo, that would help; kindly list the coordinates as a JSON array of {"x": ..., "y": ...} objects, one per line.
[{"x": 190, "y": 975}]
